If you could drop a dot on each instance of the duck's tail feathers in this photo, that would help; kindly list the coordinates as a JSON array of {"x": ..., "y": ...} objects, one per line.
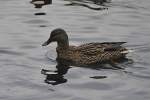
[{"x": 127, "y": 51}]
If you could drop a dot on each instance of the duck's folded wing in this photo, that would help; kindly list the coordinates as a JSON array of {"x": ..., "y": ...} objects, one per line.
[
  {"x": 96, "y": 48},
  {"x": 114, "y": 43},
  {"x": 112, "y": 46}
]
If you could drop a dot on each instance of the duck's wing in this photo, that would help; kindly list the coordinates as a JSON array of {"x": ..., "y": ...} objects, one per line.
[
  {"x": 112, "y": 46},
  {"x": 96, "y": 48}
]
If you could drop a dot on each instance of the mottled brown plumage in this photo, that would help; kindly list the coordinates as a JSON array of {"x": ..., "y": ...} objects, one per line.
[{"x": 86, "y": 54}]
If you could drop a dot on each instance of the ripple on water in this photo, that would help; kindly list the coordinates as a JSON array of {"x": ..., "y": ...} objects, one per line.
[
  {"x": 36, "y": 21},
  {"x": 91, "y": 86},
  {"x": 28, "y": 47},
  {"x": 41, "y": 13},
  {"x": 9, "y": 52}
]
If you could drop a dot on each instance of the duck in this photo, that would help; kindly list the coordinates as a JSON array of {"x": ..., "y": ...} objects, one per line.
[{"x": 88, "y": 53}]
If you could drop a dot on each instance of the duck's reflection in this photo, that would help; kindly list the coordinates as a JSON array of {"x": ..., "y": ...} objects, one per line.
[
  {"x": 91, "y": 4},
  {"x": 56, "y": 77},
  {"x": 98, "y": 2},
  {"x": 40, "y": 3},
  {"x": 62, "y": 67},
  {"x": 84, "y": 3}
]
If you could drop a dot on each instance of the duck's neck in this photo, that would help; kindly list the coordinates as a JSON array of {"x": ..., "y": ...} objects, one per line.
[{"x": 63, "y": 44}]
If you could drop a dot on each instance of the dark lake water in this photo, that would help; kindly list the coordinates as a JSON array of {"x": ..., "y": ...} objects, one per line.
[{"x": 23, "y": 28}]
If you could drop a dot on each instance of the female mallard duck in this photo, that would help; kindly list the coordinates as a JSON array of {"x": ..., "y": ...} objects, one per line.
[{"x": 86, "y": 54}]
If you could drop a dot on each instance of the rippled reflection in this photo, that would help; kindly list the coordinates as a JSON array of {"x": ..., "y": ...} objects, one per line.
[
  {"x": 57, "y": 77},
  {"x": 40, "y": 3},
  {"x": 91, "y": 4},
  {"x": 41, "y": 13},
  {"x": 99, "y": 2}
]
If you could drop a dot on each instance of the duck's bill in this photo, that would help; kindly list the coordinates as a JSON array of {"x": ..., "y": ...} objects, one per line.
[{"x": 46, "y": 43}]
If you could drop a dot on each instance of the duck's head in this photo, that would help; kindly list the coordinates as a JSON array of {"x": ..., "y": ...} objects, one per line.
[{"x": 58, "y": 35}]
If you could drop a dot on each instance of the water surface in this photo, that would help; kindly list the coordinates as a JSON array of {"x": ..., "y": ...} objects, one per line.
[{"x": 23, "y": 28}]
